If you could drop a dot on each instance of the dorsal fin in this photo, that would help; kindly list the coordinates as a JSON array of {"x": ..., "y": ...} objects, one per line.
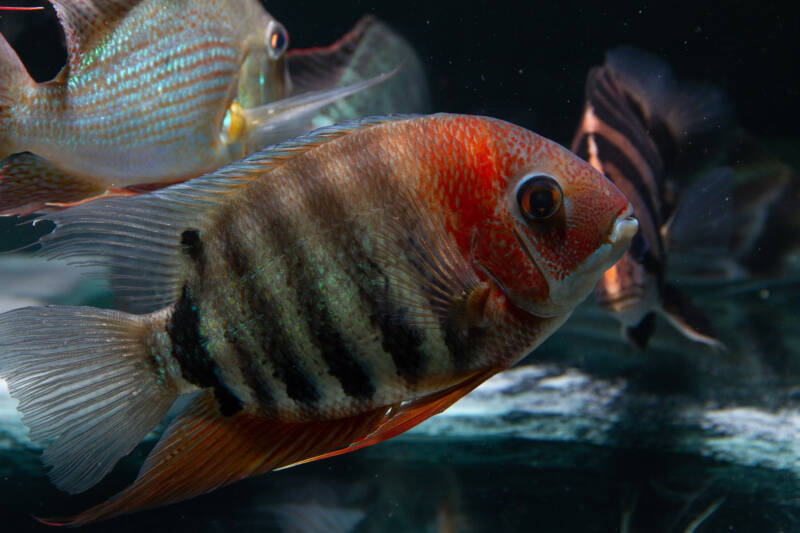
[
  {"x": 278, "y": 153},
  {"x": 87, "y": 21},
  {"x": 137, "y": 241}
]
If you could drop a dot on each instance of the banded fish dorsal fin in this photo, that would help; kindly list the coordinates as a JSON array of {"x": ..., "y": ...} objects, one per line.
[
  {"x": 704, "y": 220},
  {"x": 87, "y": 21},
  {"x": 687, "y": 120},
  {"x": 278, "y": 153}
]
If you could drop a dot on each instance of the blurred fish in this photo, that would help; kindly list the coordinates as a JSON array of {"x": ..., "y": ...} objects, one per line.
[
  {"x": 388, "y": 499},
  {"x": 415, "y": 258},
  {"x": 638, "y": 124},
  {"x": 766, "y": 195},
  {"x": 370, "y": 49},
  {"x": 316, "y": 518},
  {"x": 157, "y": 92}
]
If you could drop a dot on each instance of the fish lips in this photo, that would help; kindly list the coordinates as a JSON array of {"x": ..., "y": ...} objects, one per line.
[{"x": 567, "y": 293}]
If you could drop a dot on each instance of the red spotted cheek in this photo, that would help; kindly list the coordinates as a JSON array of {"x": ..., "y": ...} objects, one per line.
[{"x": 504, "y": 261}]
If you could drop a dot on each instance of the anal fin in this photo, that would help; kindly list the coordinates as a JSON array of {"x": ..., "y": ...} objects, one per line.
[
  {"x": 202, "y": 450},
  {"x": 401, "y": 418},
  {"x": 29, "y": 183}
]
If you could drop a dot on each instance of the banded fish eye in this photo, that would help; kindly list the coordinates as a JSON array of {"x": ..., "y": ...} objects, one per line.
[
  {"x": 539, "y": 197},
  {"x": 277, "y": 40}
]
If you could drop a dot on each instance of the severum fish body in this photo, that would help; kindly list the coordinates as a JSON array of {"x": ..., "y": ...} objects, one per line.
[
  {"x": 325, "y": 295},
  {"x": 638, "y": 123},
  {"x": 154, "y": 93}
]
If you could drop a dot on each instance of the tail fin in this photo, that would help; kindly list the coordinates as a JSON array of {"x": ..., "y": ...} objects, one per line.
[
  {"x": 86, "y": 380},
  {"x": 685, "y": 119},
  {"x": 13, "y": 78}
]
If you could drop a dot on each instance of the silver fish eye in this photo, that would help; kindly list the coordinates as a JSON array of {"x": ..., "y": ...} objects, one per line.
[{"x": 277, "y": 39}]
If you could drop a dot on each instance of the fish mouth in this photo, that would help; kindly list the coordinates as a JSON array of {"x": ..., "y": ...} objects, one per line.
[
  {"x": 624, "y": 228},
  {"x": 565, "y": 294}
]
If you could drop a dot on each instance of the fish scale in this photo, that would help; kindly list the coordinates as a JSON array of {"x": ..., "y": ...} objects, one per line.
[
  {"x": 313, "y": 298},
  {"x": 160, "y": 91},
  {"x": 161, "y": 62},
  {"x": 311, "y": 272}
]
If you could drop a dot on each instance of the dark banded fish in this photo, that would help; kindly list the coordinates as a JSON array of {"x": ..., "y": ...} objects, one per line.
[
  {"x": 156, "y": 92},
  {"x": 321, "y": 296},
  {"x": 639, "y": 124}
]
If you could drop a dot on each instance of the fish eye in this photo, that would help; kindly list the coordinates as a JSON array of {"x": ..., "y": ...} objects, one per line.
[
  {"x": 539, "y": 197},
  {"x": 277, "y": 39}
]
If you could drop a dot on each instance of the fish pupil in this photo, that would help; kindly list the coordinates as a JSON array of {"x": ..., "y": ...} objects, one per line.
[
  {"x": 278, "y": 40},
  {"x": 539, "y": 197}
]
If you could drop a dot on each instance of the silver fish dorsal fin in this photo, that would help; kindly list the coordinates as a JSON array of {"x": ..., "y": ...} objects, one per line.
[
  {"x": 86, "y": 21},
  {"x": 138, "y": 241}
]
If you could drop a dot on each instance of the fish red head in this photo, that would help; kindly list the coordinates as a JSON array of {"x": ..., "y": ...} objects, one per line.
[{"x": 545, "y": 224}]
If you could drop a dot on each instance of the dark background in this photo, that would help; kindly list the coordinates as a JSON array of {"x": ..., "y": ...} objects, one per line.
[{"x": 527, "y": 61}]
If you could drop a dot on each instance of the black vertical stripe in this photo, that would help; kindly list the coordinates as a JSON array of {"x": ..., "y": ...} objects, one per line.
[
  {"x": 189, "y": 349},
  {"x": 254, "y": 377},
  {"x": 610, "y": 152},
  {"x": 617, "y": 111},
  {"x": 247, "y": 357},
  {"x": 342, "y": 359},
  {"x": 265, "y": 325},
  {"x": 399, "y": 338},
  {"x": 341, "y": 356},
  {"x": 463, "y": 343}
]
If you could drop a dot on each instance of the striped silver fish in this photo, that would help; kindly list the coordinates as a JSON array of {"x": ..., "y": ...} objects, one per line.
[
  {"x": 156, "y": 92},
  {"x": 638, "y": 124},
  {"x": 324, "y": 295}
]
